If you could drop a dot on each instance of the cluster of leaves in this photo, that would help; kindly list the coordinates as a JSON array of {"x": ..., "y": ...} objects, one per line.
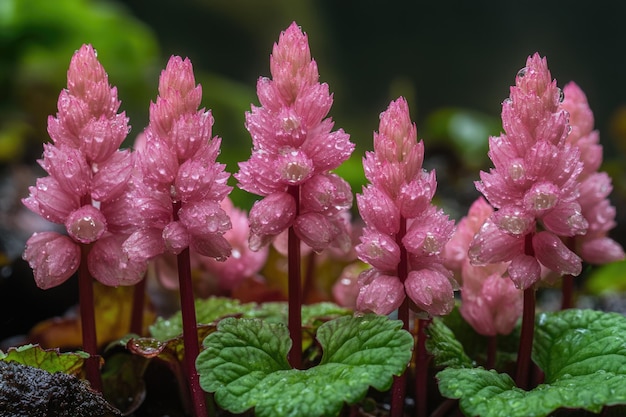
[{"x": 581, "y": 355}]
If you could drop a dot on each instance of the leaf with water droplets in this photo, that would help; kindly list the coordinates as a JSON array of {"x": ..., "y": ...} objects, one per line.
[
  {"x": 245, "y": 364},
  {"x": 582, "y": 354}
]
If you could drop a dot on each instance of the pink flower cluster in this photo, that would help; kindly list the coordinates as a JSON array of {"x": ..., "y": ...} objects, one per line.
[
  {"x": 293, "y": 152},
  {"x": 87, "y": 175},
  {"x": 180, "y": 186},
  {"x": 403, "y": 228},
  {"x": 490, "y": 302},
  {"x": 534, "y": 184},
  {"x": 594, "y": 246}
]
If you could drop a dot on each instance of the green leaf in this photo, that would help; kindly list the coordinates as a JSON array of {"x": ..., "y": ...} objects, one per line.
[
  {"x": 207, "y": 311},
  {"x": 51, "y": 360},
  {"x": 583, "y": 356},
  {"x": 445, "y": 348},
  {"x": 245, "y": 365}
]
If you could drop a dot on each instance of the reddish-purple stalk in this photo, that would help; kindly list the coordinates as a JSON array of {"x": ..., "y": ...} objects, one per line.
[
  {"x": 567, "y": 292},
  {"x": 190, "y": 328},
  {"x": 526, "y": 340},
  {"x": 528, "y": 328},
  {"x": 88, "y": 322},
  {"x": 139, "y": 299},
  {"x": 492, "y": 350},
  {"x": 421, "y": 370},
  {"x": 295, "y": 289},
  {"x": 398, "y": 389}
]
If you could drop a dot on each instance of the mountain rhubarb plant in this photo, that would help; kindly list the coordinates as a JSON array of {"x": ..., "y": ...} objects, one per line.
[{"x": 405, "y": 298}]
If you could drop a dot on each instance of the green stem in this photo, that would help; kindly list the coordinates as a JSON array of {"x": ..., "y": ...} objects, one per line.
[
  {"x": 190, "y": 329},
  {"x": 88, "y": 321},
  {"x": 295, "y": 289},
  {"x": 398, "y": 389}
]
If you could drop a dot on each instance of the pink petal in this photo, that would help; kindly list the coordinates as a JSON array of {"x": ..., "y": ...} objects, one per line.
[
  {"x": 380, "y": 294},
  {"x": 491, "y": 245},
  {"x": 379, "y": 250},
  {"x": 214, "y": 246},
  {"x": 601, "y": 251},
  {"x": 110, "y": 265},
  {"x": 431, "y": 291},
  {"x": 49, "y": 200},
  {"x": 554, "y": 255},
  {"x": 53, "y": 257},
  {"x": 325, "y": 193},
  {"x": 378, "y": 211},
  {"x": 68, "y": 166},
  {"x": 176, "y": 237},
  {"x": 143, "y": 245},
  {"x": 204, "y": 218},
  {"x": 565, "y": 219},
  {"x": 315, "y": 230},
  {"x": 524, "y": 271},
  {"x": 273, "y": 214},
  {"x": 112, "y": 176},
  {"x": 86, "y": 225}
]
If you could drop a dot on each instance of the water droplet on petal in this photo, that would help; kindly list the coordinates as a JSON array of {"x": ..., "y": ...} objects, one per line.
[{"x": 522, "y": 73}]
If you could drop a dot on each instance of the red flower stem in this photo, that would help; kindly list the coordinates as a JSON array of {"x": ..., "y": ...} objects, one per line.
[
  {"x": 295, "y": 289},
  {"x": 88, "y": 321},
  {"x": 398, "y": 389},
  {"x": 421, "y": 370},
  {"x": 139, "y": 299},
  {"x": 567, "y": 292},
  {"x": 526, "y": 340},
  {"x": 492, "y": 349},
  {"x": 190, "y": 328}
]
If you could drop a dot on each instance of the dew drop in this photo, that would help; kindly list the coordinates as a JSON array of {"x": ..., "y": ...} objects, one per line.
[
  {"x": 561, "y": 95},
  {"x": 522, "y": 73}
]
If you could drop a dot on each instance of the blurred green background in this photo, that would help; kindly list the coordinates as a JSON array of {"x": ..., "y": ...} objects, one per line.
[{"x": 453, "y": 60}]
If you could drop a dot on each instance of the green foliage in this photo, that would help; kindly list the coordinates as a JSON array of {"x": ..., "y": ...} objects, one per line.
[
  {"x": 211, "y": 309},
  {"x": 245, "y": 364},
  {"x": 607, "y": 278},
  {"x": 50, "y": 360},
  {"x": 583, "y": 356}
]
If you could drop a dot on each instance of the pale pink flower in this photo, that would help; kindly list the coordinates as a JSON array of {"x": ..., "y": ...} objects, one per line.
[
  {"x": 88, "y": 176},
  {"x": 243, "y": 262},
  {"x": 490, "y": 302},
  {"x": 534, "y": 184},
  {"x": 181, "y": 183},
  {"x": 595, "y": 246},
  {"x": 400, "y": 218},
  {"x": 294, "y": 148}
]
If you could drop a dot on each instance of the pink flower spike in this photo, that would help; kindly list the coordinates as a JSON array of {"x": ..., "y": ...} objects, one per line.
[
  {"x": 380, "y": 294},
  {"x": 53, "y": 258}
]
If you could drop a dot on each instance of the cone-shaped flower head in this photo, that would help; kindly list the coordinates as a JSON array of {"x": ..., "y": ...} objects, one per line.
[
  {"x": 595, "y": 246},
  {"x": 534, "y": 183},
  {"x": 294, "y": 148},
  {"x": 183, "y": 184},
  {"x": 400, "y": 218},
  {"x": 87, "y": 175},
  {"x": 490, "y": 302}
]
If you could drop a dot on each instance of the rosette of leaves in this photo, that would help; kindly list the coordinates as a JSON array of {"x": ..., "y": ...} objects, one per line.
[
  {"x": 582, "y": 354},
  {"x": 245, "y": 364}
]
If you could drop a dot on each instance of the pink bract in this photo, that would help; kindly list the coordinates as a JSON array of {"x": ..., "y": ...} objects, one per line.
[
  {"x": 534, "y": 183},
  {"x": 88, "y": 176},
  {"x": 294, "y": 148},
  {"x": 398, "y": 201}
]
